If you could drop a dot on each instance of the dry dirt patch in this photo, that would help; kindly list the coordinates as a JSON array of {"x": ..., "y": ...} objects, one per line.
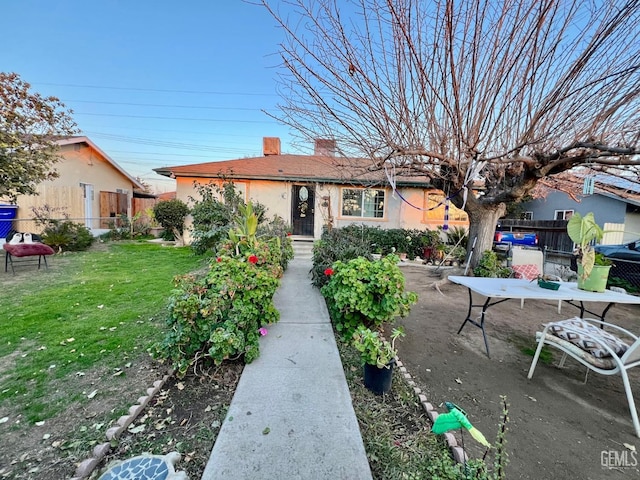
[{"x": 559, "y": 426}]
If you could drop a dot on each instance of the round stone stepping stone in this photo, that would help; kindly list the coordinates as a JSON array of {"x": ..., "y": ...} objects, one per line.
[{"x": 146, "y": 467}]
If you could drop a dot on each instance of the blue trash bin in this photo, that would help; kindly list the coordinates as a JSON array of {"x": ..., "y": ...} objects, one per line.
[{"x": 7, "y": 214}]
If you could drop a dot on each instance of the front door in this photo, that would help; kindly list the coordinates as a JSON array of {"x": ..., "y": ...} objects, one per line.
[{"x": 302, "y": 207}]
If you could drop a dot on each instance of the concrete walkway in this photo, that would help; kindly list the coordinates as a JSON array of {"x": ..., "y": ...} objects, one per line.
[{"x": 291, "y": 416}]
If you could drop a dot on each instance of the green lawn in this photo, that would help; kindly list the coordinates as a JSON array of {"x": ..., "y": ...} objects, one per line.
[{"x": 96, "y": 308}]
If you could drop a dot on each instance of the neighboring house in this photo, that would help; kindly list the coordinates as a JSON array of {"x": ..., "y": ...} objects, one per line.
[
  {"x": 91, "y": 189},
  {"x": 312, "y": 192},
  {"x": 615, "y": 203}
]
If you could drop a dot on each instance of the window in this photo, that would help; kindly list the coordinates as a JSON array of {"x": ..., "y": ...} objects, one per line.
[
  {"x": 563, "y": 214},
  {"x": 527, "y": 215},
  {"x": 360, "y": 202},
  {"x": 434, "y": 201}
]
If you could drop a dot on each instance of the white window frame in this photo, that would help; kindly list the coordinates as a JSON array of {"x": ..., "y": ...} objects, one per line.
[
  {"x": 362, "y": 203},
  {"x": 527, "y": 215},
  {"x": 563, "y": 213}
]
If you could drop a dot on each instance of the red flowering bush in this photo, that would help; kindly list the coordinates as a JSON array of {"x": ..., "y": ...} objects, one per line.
[{"x": 328, "y": 271}]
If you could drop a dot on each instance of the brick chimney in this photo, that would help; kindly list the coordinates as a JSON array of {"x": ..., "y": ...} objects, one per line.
[
  {"x": 325, "y": 147},
  {"x": 270, "y": 146}
]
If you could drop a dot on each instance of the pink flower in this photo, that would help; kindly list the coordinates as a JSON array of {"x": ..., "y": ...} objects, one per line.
[
  {"x": 218, "y": 259},
  {"x": 328, "y": 271},
  {"x": 253, "y": 259},
  {"x": 263, "y": 331}
]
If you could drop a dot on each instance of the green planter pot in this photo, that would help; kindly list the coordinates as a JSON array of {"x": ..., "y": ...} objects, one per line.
[{"x": 596, "y": 281}]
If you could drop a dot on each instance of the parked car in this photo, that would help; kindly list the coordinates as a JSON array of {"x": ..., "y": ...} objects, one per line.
[
  {"x": 625, "y": 251},
  {"x": 626, "y": 260},
  {"x": 503, "y": 241}
]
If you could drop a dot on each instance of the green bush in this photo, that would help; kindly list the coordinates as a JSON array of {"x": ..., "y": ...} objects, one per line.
[
  {"x": 171, "y": 214},
  {"x": 490, "y": 266},
  {"x": 219, "y": 316},
  {"x": 364, "y": 292},
  {"x": 338, "y": 244},
  {"x": 277, "y": 233},
  {"x": 67, "y": 235}
]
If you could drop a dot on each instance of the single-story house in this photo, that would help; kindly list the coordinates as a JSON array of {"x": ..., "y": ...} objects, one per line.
[
  {"x": 614, "y": 201},
  {"x": 91, "y": 188},
  {"x": 312, "y": 192}
]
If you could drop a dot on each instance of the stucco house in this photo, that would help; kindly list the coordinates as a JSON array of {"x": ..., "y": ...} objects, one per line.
[
  {"x": 315, "y": 191},
  {"x": 614, "y": 201},
  {"x": 91, "y": 188}
]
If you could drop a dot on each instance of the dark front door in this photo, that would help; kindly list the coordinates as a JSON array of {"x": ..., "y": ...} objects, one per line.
[{"x": 302, "y": 207}]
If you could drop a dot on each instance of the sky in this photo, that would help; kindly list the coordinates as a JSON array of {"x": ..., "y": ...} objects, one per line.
[{"x": 153, "y": 83}]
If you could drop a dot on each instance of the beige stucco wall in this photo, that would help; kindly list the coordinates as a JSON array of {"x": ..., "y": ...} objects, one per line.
[
  {"x": 276, "y": 196},
  {"x": 80, "y": 164}
]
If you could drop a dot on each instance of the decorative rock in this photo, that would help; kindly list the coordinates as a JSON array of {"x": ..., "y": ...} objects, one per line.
[
  {"x": 459, "y": 455},
  {"x": 450, "y": 439},
  {"x": 158, "y": 383},
  {"x": 398, "y": 363},
  {"x": 427, "y": 406},
  {"x": 151, "y": 391},
  {"x": 144, "y": 400},
  {"x": 403, "y": 369},
  {"x": 113, "y": 432},
  {"x": 417, "y": 390},
  {"x": 422, "y": 398},
  {"x": 146, "y": 467},
  {"x": 101, "y": 450},
  {"x": 124, "y": 421},
  {"x": 432, "y": 414},
  {"x": 134, "y": 410},
  {"x": 86, "y": 467}
]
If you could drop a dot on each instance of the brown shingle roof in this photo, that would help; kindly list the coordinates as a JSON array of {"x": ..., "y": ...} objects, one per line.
[{"x": 295, "y": 168}]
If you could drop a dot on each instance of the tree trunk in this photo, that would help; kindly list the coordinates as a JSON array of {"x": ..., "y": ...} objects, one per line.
[{"x": 482, "y": 225}]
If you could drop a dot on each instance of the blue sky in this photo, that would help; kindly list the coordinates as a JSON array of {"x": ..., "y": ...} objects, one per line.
[{"x": 153, "y": 82}]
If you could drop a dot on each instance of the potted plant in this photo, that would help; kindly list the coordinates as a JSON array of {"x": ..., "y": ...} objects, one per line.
[
  {"x": 593, "y": 267},
  {"x": 378, "y": 357}
]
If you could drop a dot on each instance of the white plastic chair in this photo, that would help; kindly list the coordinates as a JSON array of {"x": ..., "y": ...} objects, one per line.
[
  {"x": 526, "y": 256},
  {"x": 605, "y": 366}
]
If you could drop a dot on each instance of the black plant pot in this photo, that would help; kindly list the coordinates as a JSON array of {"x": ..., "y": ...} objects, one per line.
[{"x": 378, "y": 380}]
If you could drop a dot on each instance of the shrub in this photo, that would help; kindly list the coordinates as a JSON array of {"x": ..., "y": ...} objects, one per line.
[
  {"x": 364, "y": 292},
  {"x": 67, "y": 235},
  {"x": 458, "y": 236},
  {"x": 171, "y": 214},
  {"x": 219, "y": 316},
  {"x": 490, "y": 266},
  {"x": 214, "y": 212},
  {"x": 277, "y": 231},
  {"x": 338, "y": 244}
]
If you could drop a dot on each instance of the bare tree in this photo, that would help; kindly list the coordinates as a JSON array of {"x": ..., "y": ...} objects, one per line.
[
  {"x": 30, "y": 124},
  {"x": 495, "y": 95}
]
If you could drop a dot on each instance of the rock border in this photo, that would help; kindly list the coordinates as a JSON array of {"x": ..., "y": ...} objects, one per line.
[
  {"x": 87, "y": 466},
  {"x": 458, "y": 453}
]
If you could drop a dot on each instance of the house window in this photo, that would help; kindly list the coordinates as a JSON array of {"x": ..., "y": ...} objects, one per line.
[
  {"x": 527, "y": 215},
  {"x": 364, "y": 203},
  {"x": 435, "y": 201},
  {"x": 563, "y": 214}
]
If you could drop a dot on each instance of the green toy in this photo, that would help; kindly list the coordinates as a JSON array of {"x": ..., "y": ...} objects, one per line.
[{"x": 457, "y": 418}]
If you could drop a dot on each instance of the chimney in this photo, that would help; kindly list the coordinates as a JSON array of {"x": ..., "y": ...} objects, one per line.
[
  {"x": 325, "y": 147},
  {"x": 270, "y": 146}
]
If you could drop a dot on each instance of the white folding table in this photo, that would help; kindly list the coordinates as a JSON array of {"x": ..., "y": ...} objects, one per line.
[{"x": 498, "y": 290}]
